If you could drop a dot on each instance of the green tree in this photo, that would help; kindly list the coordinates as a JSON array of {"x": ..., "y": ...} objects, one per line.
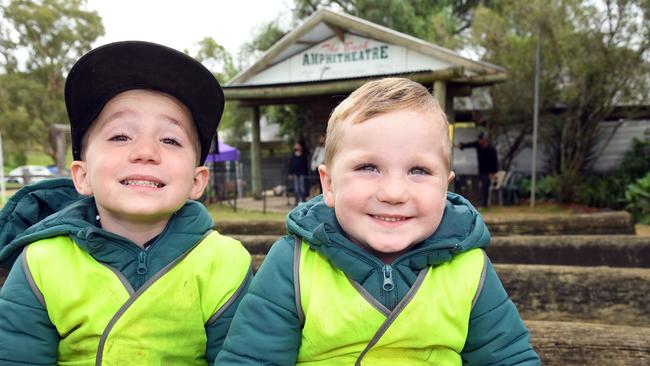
[
  {"x": 52, "y": 34},
  {"x": 218, "y": 60},
  {"x": 595, "y": 56},
  {"x": 443, "y": 22}
]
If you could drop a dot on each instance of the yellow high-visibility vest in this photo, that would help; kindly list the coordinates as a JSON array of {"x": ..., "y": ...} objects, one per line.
[
  {"x": 345, "y": 325},
  {"x": 102, "y": 321}
]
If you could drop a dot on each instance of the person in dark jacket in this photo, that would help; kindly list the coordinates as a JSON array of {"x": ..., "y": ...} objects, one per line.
[
  {"x": 488, "y": 163},
  {"x": 298, "y": 171},
  {"x": 119, "y": 265},
  {"x": 385, "y": 267}
]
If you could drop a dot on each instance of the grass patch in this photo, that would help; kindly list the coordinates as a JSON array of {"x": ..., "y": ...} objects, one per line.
[{"x": 222, "y": 212}]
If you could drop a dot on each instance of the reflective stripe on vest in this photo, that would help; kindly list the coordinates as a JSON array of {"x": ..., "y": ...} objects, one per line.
[
  {"x": 345, "y": 325},
  {"x": 101, "y": 320}
]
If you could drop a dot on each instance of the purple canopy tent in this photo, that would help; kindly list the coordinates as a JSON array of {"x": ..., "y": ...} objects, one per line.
[
  {"x": 225, "y": 171},
  {"x": 226, "y": 153}
]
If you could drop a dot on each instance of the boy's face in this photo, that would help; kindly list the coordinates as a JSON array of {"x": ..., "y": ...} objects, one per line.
[
  {"x": 140, "y": 159},
  {"x": 388, "y": 181}
]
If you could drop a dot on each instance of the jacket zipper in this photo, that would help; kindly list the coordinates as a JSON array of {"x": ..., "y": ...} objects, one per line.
[
  {"x": 388, "y": 285},
  {"x": 142, "y": 263}
]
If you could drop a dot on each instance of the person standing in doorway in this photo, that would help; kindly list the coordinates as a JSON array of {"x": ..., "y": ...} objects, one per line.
[
  {"x": 318, "y": 158},
  {"x": 488, "y": 163},
  {"x": 298, "y": 170}
]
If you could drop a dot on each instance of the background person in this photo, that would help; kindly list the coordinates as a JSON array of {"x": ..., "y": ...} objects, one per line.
[
  {"x": 488, "y": 163},
  {"x": 298, "y": 171},
  {"x": 317, "y": 158}
]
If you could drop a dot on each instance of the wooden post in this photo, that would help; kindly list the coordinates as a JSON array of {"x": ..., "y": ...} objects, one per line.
[
  {"x": 440, "y": 92},
  {"x": 256, "y": 154}
]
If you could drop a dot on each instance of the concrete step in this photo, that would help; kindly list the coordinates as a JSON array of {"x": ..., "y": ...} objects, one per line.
[
  {"x": 603, "y": 223},
  {"x": 606, "y": 223},
  {"x": 575, "y": 250},
  {"x": 569, "y": 343},
  {"x": 570, "y": 293}
]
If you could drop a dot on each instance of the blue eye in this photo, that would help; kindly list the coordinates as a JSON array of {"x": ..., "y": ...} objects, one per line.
[
  {"x": 418, "y": 171},
  {"x": 367, "y": 168},
  {"x": 170, "y": 141},
  {"x": 119, "y": 137}
]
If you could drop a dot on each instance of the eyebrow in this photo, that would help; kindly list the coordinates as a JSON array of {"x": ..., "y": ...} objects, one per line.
[{"x": 118, "y": 114}]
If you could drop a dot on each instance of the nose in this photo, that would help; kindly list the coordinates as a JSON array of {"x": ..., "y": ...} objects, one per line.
[
  {"x": 393, "y": 190},
  {"x": 145, "y": 151}
]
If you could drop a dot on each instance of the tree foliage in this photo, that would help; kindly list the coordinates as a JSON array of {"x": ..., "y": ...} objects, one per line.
[
  {"x": 443, "y": 22},
  {"x": 595, "y": 56},
  {"x": 218, "y": 60},
  {"x": 50, "y": 35}
]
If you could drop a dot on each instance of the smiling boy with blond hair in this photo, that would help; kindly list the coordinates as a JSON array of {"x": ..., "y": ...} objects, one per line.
[
  {"x": 387, "y": 266},
  {"x": 132, "y": 273}
]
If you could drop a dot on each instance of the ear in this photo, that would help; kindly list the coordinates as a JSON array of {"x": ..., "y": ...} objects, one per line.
[
  {"x": 79, "y": 174},
  {"x": 451, "y": 177},
  {"x": 201, "y": 176},
  {"x": 326, "y": 183}
]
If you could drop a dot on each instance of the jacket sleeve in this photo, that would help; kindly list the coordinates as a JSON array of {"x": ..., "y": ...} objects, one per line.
[
  {"x": 266, "y": 329},
  {"x": 27, "y": 336},
  {"x": 216, "y": 330},
  {"x": 496, "y": 335}
]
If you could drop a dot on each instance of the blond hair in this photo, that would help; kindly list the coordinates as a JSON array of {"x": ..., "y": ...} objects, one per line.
[{"x": 379, "y": 97}]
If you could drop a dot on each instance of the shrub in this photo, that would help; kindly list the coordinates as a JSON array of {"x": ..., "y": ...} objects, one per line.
[
  {"x": 637, "y": 196},
  {"x": 609, "y": 190}
]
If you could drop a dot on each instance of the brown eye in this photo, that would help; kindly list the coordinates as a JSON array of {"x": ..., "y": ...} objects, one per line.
[
  {"x": 120, "y": 137},
  {"x": 170, "y": 141}
]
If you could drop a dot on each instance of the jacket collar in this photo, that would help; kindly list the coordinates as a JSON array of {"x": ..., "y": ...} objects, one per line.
[{"x": 460, "y": 230}]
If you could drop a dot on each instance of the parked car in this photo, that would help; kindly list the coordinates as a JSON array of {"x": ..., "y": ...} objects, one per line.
[{"x": 35, "y": 172}]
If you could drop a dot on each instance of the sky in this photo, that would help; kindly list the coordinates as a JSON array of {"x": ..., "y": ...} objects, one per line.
[{"x": 181, "y": 23}]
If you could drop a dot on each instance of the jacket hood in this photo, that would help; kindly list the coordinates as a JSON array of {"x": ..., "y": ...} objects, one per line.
[
  {"x": 460, "y": 230},
  {"x": 31, "y": 204},
  {"x": 53, "y": 207}
]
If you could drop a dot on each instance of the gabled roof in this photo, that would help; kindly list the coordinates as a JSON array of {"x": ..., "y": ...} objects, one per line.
[
  {"x": 326, "y": 24},
  {"x": 282, "y": 70}
]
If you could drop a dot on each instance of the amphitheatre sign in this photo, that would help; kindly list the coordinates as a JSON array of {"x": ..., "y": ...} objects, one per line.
[{"x": 352, "y": 56}]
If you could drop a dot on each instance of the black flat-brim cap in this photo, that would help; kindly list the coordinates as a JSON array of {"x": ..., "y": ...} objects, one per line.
[{"x": 114, "y": 68}]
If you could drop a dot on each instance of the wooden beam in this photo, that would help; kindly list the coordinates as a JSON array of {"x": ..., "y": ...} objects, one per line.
[{"x": 328, "y": 87}]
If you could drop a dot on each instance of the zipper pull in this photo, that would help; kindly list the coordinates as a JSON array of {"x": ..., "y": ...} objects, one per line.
[
  {"x": 388, "y": 278},
  {"x": 142, "y": 268}
]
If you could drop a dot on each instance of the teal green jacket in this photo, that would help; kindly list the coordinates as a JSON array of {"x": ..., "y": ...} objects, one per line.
[
  {"x": 266, "y": 329},
  {"x": 52, "y": 208}
]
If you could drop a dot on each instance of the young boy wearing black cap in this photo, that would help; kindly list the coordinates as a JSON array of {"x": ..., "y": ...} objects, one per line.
[{"x": 132, "y": 272}]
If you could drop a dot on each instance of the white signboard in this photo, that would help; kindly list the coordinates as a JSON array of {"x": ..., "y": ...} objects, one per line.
[{"x": 355, "y": 57}]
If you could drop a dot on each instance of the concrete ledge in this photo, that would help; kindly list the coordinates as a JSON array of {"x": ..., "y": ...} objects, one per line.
[
  {"x": 570, "y": 293},
  {"x": 604, "y": 223},
  {"x": 252, "y": 227},
  {"x": 574, "y": 250},
  {"x": 584, "y": 250},
  {"x": 566, "y": 343},
  {"x": 607, "y": 223}
]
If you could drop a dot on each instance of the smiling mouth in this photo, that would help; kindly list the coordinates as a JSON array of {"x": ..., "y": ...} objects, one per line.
[
  {"x": 389, "y": 219},
  {"x": 142, "y": 183}
]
